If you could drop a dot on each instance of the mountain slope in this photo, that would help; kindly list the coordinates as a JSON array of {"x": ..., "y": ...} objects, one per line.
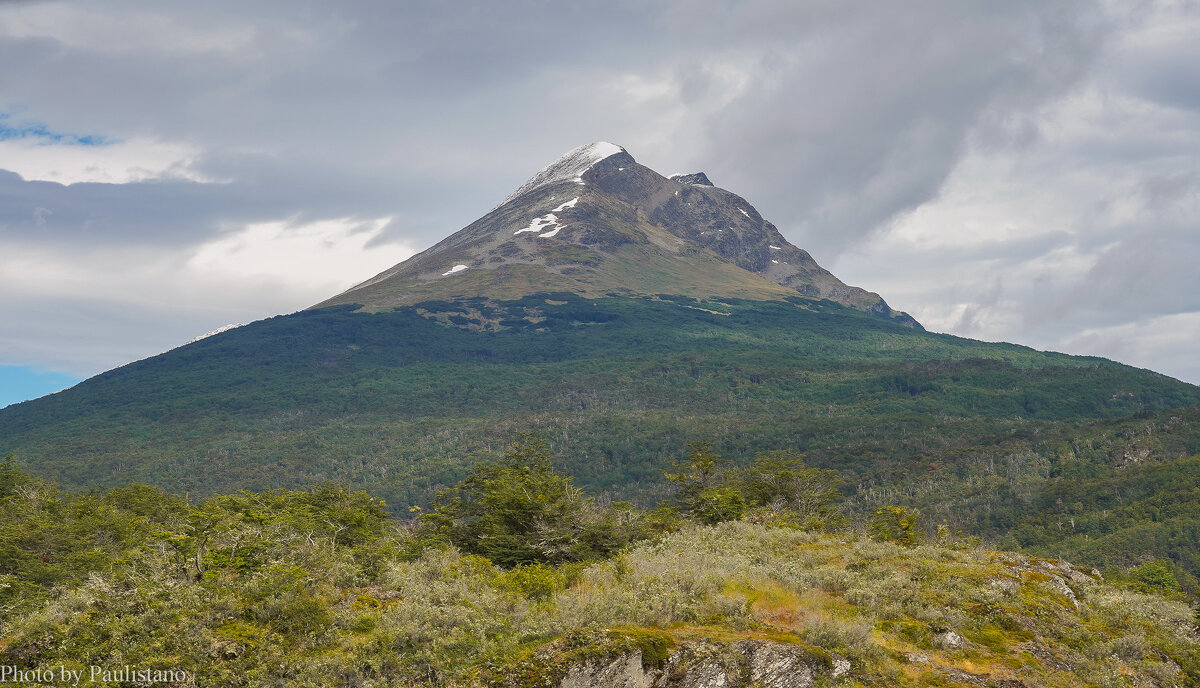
[
  {"x": 595, "y": 222},
  {"x": 401, "y": 400},
  {"x": 646, "y": 314}
]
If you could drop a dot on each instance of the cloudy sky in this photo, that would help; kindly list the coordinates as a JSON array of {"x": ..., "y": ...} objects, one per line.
[{"x": 1026, "y": 171}]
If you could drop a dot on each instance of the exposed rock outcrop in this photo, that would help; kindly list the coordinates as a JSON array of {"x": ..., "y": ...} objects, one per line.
[
  {"x": 744, "y": 664},
  {"x": 949, "y": 641}
]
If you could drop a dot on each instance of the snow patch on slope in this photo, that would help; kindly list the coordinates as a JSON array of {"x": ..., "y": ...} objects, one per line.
[
  {"x": 569, "y": 204},
  {"x": 538, "y": 224},
  {"x": 548, "y": 221},
  {"x": 570, "y": 167},
  {"x": 456, "y": 268}
]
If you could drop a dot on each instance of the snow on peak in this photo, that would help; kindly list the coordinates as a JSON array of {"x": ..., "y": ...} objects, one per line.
[
  {"x": 570, "y": 167},
  {"x": 457, "y": 268}
]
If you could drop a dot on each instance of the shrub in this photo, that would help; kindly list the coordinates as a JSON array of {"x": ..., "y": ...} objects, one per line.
[
  {"x": 1154, "y": 577},
  {"x": 717, "y": 504},
  {"x": 779, "y": 488},
  {"x": 894, "y": 524},
  {"x": 782, "y": 481},
  {"x": 518, "y": 510},
  {"x": 536, "y": 582}
]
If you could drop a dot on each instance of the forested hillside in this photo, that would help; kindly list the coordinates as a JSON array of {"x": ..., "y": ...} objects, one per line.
[
  {"x": 1066, "y": 455},
  {"x": 401, "y": 401},
  {"x": 1115, "y": 492}
]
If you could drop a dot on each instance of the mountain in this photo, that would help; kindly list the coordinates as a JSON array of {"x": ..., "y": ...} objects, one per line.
[
  {"x": 622, "y": 315},
  {"x": 594, "y": 223}
]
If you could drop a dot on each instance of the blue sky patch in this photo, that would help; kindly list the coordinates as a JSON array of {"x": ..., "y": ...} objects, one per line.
[
  {"x": 21, "y": 383},
  {"x": 44, "y": 135}
]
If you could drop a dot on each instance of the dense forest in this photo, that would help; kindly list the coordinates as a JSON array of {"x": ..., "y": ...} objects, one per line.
[{"x": 401, "y": 401}]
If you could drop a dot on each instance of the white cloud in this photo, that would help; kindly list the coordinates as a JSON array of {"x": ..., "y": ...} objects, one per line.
[
  {"x": 116, "y": 163},
  {"x": 1081, "y": 237},
  {"x": 1165, "y": 344},
  {"x": 273, "y": 266},
  {"x": 85, "y": 311},
  {"x": 321, "y": 258}
]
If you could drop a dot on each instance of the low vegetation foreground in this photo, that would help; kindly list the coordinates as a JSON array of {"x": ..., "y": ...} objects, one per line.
[{"x": 749, "y": 579}]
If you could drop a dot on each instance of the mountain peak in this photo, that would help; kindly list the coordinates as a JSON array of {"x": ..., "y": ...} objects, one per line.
[
  {"x": 570, "y": 166},
  {"x": 595, "y": 222}
]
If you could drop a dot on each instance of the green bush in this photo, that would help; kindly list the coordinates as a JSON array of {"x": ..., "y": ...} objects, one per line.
[
  {"x": 776, "y": 484},
  {"x": 518, "y": 510},
  {"x": 536, "y": 581},
  {"x": 1155, "y": 577},
  {"x": 717, "y": 504},
  {"x": 894, "y": 524}
]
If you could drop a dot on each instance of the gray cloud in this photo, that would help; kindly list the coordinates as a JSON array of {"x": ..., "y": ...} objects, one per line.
[
  {"x": 1149, "y": 271},
  {"x": 863, "y": 111},
  {"x": 847, "y": 112},
  {"x": 1014, "y": 170}
]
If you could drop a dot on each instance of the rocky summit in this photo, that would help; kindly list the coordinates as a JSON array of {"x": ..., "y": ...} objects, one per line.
[{"x": 595, "y": 223}]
